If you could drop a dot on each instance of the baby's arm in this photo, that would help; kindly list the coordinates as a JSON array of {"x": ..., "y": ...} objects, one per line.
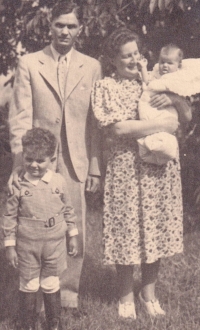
[{"x": 142, "y": 66}]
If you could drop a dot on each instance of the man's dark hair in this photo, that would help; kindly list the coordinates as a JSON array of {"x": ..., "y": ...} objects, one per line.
[
  {"x": 39, "y": 141},
  {"x": 63, "y": 8}
]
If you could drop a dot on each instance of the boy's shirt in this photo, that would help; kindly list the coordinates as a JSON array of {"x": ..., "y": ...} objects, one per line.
[{"x": 38, "y": 199}]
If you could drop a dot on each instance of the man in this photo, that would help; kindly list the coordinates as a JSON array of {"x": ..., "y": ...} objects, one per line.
[{"x": 55, "y": 94}]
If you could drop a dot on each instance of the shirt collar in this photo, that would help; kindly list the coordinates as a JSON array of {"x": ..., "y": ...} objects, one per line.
[
  {"x": 56, "y": 55},
  {"x": 46, "y": 178}
]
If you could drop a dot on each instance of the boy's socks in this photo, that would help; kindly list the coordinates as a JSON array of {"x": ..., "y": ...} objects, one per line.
[
  {"x": 27, "y": 311},
  {"x": 52, "y": 304}
]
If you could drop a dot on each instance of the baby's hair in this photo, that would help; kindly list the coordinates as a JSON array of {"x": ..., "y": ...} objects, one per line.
[
  {"x": 112, "y": 45},
  {"x": 170, "y": 47},
  {"x": 39, "y": 140}
]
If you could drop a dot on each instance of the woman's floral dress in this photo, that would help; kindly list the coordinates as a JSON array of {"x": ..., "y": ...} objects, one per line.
[{"x": 142, "y": 202}]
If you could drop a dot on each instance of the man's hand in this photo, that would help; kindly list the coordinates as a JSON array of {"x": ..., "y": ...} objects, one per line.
[
  {"x": 73, "y": 246},
  {"x": 15, "y": 179},
  {"x": 92, "y": 183},
  {"x": 11, "y": 256}
]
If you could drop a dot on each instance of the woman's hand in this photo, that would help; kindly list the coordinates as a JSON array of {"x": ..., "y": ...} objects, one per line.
[
  {"x": 167, "y": 124},
  {"x": 163, "y": 100},
  {"x": 140, "y": 128},
  {"x": 15, "y": 179}
]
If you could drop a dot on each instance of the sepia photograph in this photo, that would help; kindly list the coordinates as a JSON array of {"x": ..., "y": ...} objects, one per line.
[{"x": 99, "y": 164}]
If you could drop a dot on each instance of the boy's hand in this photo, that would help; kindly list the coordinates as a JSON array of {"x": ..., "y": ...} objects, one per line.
[
  {"x": 11, "y": 256},
  {"x": 73, "y": 246}
]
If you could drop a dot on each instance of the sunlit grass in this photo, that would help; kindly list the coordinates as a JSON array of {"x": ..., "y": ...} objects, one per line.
[{"x": 177, "y": 289}]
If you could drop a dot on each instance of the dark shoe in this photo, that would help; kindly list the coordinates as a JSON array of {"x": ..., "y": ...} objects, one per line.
[
  {"x": 52, "y": 304},
  {"x": 77, "y": 313}
]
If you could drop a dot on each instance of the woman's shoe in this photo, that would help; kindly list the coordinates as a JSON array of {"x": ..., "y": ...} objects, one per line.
[
  {"x": 152, "y": 307},
  {"x": 127, "y": 310}
]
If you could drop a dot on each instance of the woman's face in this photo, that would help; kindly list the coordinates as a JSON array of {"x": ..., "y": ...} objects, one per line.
[{"x": 126, "y": 60}]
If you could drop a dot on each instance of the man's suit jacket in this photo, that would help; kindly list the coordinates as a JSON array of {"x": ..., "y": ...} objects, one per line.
[{"x": 37, "y": 102}]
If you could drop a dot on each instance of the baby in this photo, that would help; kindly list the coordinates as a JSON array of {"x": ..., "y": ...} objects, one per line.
[{"x": 171, "y": 74}]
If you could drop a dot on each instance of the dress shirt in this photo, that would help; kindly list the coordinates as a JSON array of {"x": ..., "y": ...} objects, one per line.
[{"x": 56, "y": 56}]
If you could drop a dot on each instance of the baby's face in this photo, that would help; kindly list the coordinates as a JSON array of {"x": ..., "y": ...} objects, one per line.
[{"x": 169, "y": 62}]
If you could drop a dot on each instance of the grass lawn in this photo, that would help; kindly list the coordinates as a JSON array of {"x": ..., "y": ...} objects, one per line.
[{"x": 178, "y": 286}]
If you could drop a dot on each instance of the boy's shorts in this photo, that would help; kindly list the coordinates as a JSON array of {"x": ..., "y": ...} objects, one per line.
[{"x": 41, "y": 250}]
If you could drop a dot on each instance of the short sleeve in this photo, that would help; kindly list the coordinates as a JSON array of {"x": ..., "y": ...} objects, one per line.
[{"x": 106, "y": 103}]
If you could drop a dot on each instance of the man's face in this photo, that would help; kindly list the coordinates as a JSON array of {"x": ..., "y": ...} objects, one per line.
[{"x": 64, "y": 30}]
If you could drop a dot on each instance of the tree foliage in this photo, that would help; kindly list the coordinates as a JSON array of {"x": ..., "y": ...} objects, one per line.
[{"x": 24, "y": 25}]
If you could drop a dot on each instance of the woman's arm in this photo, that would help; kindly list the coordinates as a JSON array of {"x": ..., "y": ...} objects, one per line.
[
  {"x": 140, "y": 128},
  {"x": 183, "y": 107}
]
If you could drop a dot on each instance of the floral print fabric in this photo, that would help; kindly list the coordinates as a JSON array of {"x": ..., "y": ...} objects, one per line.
[{"x": 142, "y": 218}]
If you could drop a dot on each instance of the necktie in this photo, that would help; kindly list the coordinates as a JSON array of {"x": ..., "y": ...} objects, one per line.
[{"x": 62, "y": 72}]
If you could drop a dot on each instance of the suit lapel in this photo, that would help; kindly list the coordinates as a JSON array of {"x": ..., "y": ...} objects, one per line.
[
  {"x": 48, "y": 68},
  {"x": 75, "y": 73}
]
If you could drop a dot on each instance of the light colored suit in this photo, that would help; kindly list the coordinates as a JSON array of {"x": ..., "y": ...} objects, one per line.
[{"x": 37, "y": 102}]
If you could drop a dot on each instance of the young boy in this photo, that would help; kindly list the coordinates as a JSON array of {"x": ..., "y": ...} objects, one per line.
[{"x": 36, "y": 220}]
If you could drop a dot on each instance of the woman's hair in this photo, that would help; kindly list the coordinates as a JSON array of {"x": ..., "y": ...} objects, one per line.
[
  {"x": 171, "y": 47},
  {"x": 39, "y": 141},
  {"x": 112, "y": 46},
  {"x": 66, "y": 7}
]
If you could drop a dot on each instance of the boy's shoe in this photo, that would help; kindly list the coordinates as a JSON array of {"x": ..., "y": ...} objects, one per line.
[
  {"x": 127, "y": 310},
  {"x": 152, "y": 307}
]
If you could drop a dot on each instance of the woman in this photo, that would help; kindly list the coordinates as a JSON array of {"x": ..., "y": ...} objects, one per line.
[{"x": 143, "y": 202}]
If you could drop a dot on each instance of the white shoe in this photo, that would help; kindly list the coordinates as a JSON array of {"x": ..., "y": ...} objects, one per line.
[
  {"x": 127, "y": 310},
  {"x": 152, "y": 307}
]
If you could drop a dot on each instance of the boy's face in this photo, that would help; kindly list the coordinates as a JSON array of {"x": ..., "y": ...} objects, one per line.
[
  {"x": 169, "y": 62},
  {"x": 35, "y": 164}
]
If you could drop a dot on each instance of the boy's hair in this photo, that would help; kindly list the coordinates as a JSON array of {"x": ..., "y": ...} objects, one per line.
[
  {"x": 39, "y": 140},
  {"x": 170, "y": 47},
  {"x": 66, "y": 7}
]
